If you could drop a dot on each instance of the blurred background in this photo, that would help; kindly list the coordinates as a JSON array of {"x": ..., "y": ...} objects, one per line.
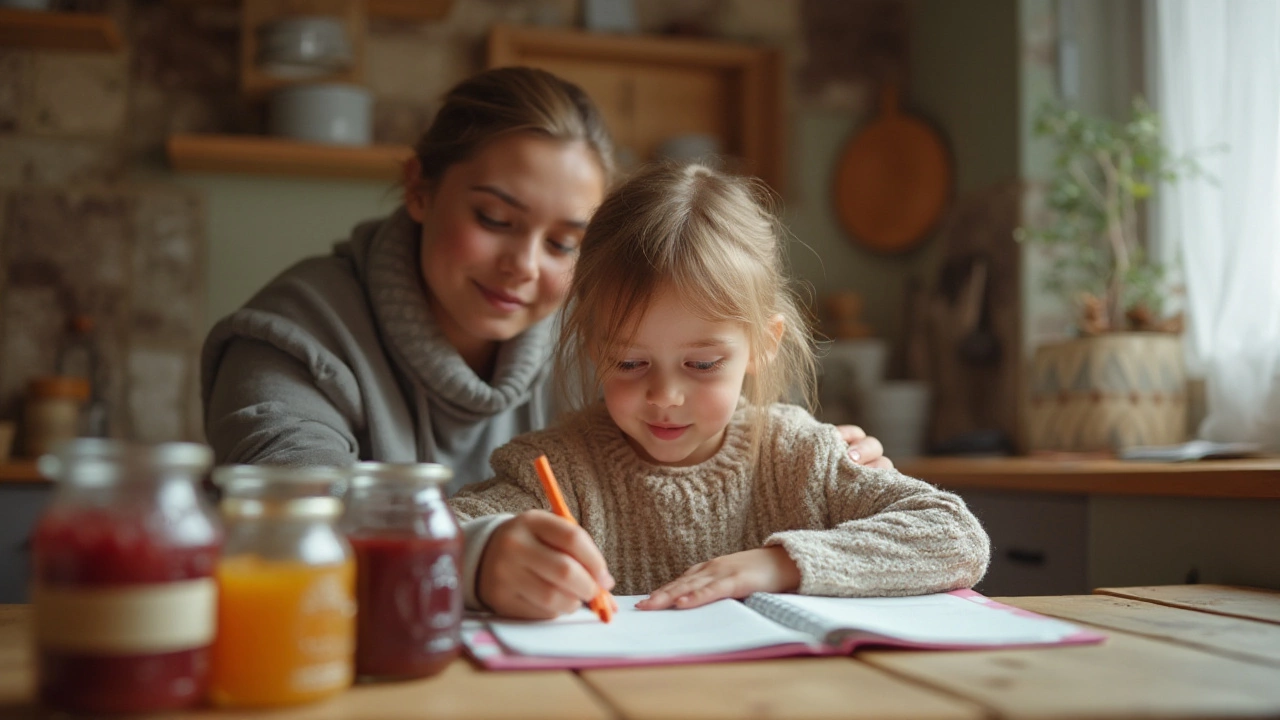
[
  {"x": 160, "y": 160},
  {"x": 96, "y": 223}
]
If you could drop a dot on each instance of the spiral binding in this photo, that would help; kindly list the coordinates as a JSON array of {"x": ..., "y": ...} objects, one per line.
[{"x": 780, "y": 611}]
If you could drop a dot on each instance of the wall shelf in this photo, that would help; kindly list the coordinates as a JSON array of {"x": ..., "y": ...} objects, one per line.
[
  {"x": 40, "y": 30},
  {"x": 400, "y": 10},
  {"x": 409, "y": 10},
  {"x": 20, "y": 471},
  {"x": 254, "y": 155}
]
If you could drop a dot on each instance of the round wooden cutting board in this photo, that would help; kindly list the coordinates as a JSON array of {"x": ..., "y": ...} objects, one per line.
[{"x": 893, "y": 180}]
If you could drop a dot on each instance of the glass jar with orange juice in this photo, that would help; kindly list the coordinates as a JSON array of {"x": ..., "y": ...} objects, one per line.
[{"x": 286, "y": 583}]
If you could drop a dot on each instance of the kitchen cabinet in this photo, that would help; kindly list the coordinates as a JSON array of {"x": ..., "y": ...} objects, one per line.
[
  {"x": 1039, "y": 543},
  {"x": 1063, "y": 526},
  {"x": 649, "y": 88},
  {"x": 20, "y": 506},
  {"x": 655, "y": 88}
]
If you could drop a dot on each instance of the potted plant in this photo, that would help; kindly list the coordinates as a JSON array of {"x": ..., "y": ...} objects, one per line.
[{"x": 1122, "y": 381}]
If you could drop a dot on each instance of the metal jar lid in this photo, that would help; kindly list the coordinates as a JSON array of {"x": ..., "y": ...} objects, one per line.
[
  {"x": 94, "y": 461},
  {"x": 369, "y": 474},
  {"x": 275, "y": 491}
]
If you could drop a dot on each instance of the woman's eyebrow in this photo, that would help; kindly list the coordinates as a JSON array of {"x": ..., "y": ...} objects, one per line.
[
  {"x": 510, "y": 200},
  {"x": 501, "y": 195}
]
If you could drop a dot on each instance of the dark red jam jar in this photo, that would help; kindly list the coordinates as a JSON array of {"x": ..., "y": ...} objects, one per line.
[
  {"x": 124, "y": 596},
  {"x": 408, "y": 550}
]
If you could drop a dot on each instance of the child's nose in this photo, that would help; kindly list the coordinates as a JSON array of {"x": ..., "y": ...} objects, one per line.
[{"x": 663, "y": 392}]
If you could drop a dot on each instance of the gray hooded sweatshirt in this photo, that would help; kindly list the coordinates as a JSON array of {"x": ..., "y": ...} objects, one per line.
[{"x": 339, "y": 359}]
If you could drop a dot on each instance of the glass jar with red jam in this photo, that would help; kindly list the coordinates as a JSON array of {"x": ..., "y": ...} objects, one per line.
[
  {"x": 408, "y": 550},
  {"x": 124, "y": 596}
]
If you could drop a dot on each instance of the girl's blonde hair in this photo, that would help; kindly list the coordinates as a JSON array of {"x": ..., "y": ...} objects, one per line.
[
  {"x": 507, "y": 100},
  {"x": 712, "y": 238}
]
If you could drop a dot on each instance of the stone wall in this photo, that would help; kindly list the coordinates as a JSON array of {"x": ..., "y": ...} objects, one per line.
[{"x": 82, "y": 232}]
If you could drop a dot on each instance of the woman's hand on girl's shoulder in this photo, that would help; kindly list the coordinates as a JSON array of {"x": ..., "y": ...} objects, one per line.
[
  {"x": 864, "y": 449},
  {"x": 737, "y": 575}
]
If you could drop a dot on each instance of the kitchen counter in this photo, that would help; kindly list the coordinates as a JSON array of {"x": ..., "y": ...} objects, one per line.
[{"x": 1245, "y": 478}]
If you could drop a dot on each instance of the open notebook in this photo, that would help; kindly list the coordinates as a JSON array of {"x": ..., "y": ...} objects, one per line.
[{"x": 762, "y": 626}]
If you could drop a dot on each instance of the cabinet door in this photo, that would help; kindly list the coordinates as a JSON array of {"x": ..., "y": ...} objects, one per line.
[
  {"x": 644, "y": 106},
  {"x": 20, "y": 506},
  {"x": 1039, "y": 542},
  {"x": 653, "y": 89}
]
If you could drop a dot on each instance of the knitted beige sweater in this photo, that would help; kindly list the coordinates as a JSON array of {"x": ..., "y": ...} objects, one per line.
[{"x": 851, "y": 530}]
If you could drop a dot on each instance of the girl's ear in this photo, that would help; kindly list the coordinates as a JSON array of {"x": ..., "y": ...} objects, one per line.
[
  {"x": 416, "y": 190},
  {"x": 773, "y": 340}
]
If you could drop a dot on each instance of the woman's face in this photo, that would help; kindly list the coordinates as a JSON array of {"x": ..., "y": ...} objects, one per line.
[{"x": 500, "y": 235}]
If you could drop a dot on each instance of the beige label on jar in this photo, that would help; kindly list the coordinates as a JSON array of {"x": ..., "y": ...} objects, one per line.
[
  {"x": 153, "y": 618},
  {"x": 326, "y": 632}
]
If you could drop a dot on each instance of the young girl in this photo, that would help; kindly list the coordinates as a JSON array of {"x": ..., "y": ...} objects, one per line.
[{"x": 690, "y": 480}]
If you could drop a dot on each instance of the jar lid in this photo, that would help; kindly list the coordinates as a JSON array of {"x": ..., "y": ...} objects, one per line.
[
  {"x": 367, "y": 474},
  {"x": 92, "y": 461},
  {"x": 279, "y": 483},
  {"x": 59, "y": 386}
]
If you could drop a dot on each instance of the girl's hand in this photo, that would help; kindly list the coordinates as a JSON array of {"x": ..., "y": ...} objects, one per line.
[
  {"x": 738, "y": 575},
  {"x": 864, "y": 450},
  {"x": 539, "y": 566}
]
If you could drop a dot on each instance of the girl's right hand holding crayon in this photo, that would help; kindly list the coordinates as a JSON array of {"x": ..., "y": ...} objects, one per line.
[{"x": 539, "y": 566}]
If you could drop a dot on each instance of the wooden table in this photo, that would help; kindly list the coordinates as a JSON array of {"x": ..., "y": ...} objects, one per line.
[{"x": 1178, "y": 651}]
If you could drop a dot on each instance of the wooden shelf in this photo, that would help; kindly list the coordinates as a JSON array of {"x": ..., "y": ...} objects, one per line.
[
  {"x": 21, "y": 471},
  {"x": 409, "y": 10},
  {"x": 42, "y": 30},
  {"x": 1252, "y": 478},
  {"x": 402, "y": 10},
  {"x": 252, "y": 155}
]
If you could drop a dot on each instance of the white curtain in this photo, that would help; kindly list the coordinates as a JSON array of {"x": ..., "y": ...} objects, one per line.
[{"x": 1217, "y": 72}]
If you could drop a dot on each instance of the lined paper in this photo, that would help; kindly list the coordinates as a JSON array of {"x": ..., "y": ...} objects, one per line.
[{"x": 940, "y": 619}]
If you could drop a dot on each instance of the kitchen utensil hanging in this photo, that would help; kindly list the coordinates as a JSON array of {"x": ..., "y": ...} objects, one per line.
[{"x": 894, "y": 179}]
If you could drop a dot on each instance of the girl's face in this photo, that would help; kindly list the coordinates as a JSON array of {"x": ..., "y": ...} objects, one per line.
[
  {"x": 675, "y": 388},
  {"x": 500, "y": 235}
]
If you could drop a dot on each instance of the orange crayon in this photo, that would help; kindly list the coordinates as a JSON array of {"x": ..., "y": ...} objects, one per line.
[{"x": 603, "y": 604}]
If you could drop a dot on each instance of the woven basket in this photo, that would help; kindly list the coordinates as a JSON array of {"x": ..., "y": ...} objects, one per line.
[{"x": 1108, "y": 392}]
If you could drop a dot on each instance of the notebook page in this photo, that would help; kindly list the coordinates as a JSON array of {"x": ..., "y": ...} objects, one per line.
[
  {"x": 931, "y": 619},
  {"x": 724, "y": 626}
]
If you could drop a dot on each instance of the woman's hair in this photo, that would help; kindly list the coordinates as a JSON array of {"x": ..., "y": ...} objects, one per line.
[
  {"x": 509, "y": 100},
  {"x": 713, "y": 239}
]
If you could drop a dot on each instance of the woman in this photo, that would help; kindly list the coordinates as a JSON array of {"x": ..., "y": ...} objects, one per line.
[{"x": 426, "y": 337}]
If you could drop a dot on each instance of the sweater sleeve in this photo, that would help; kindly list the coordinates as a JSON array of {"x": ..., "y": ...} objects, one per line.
[
  {"x": 889, "y": 534},
  {"x": 265, "y": 408},
  {"x": 481, "y": 508}
]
